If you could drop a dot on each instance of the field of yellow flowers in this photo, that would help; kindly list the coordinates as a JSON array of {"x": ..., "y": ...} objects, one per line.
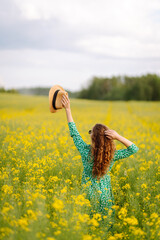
[{"x": 40, "y": 171}]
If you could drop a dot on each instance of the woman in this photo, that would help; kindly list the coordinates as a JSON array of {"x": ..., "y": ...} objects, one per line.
[{"x": 98, "y": 159}]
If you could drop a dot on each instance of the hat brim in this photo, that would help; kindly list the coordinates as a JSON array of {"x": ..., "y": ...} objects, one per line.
[{"x": 55, "y": 95}]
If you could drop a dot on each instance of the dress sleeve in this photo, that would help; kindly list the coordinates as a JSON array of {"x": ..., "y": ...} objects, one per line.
[
  {"x": 78, "y": 141},
  {"x": 124, "y": 153}
]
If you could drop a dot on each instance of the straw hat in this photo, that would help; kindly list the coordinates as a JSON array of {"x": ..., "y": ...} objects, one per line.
[{"x": 55, "y": 96}]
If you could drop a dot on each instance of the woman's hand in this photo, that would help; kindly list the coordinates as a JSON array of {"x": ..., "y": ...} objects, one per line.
[
  {"x": 65, "y": 102},
  {"x": 111, "y": 134},
  {"x": 66, "y": 105}
]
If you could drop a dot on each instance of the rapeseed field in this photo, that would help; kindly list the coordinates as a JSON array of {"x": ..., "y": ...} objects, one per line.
[{"x": 40, "y": 171}]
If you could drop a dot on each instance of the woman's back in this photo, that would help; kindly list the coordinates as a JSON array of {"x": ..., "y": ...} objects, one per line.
[{"x": 100, "y": 190}]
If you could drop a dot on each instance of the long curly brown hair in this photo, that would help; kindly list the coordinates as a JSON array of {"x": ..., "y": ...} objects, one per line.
[{"x": 102, "y": 150}]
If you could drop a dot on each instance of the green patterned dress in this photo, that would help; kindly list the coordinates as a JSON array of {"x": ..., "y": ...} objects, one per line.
[{"x": 98, "y": 192}]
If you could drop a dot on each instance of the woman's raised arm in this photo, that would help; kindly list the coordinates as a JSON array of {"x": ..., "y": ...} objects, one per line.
[
  {"x": 111, "y": 134},
  {"x": 122, "y": 153},
  {"x": 78, "y": 141}
]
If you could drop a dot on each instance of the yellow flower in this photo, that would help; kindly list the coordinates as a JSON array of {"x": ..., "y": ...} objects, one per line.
[
  {"x": 112, "y": 238},
  {"x": 97, "y": 216},
  {"x": 23, "y": 223},
  {"x": 87, "y": 237},
  {"x": 81, "y": 200},
  {"x": 131, "y": 221},
  {"x": 154, "y": 215},
  {"x": 83, "y": 217},
  {"x": 94, "y": 222},
  {"x": 127, "y": 186},
  {"x": 58, "y": 204},
  {"x": 50, "y": 190},
  {"x": 54, "y": 178},
  {"x": 115, "y": 207},
  {"x": 145, "y": 214},
  {"x": 68, "y": 181},
  {"x": 31, "y": 214},
  {"x": 143, "y": 186},
  {"x": 137, "y": 231},
  {"x": 142, "y": 168},
  {"x": 7, "y": 189},
  {"x": 29, "y": 203},
  {"x": 118, "y": 235},
  {"x": 54, "y": 225},
  {"x": 5, "y": 231},
  {"x": 158, "y": 197},
  {"x": 64, "y": 190},
  {"x": 57, "y": 232},
  {"x": 6, "y": 208},
  {"x": 122, "y": 213}
]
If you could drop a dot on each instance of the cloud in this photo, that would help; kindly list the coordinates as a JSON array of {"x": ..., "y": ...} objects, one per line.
[
  {"x": 120, "y": 47},
  {"x": 18, "y": 32},
  {"x": 37, "y": 34},
  {"x": 109, "y": 28}
]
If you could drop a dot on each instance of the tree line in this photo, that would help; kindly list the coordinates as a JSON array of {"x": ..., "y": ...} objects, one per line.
[
  {"x": 3, "y": 90},
  {"x": 145, "y": 88}
]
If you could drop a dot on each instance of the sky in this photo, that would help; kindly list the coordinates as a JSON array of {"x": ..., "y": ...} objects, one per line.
[{"x": 68, "y": 42}]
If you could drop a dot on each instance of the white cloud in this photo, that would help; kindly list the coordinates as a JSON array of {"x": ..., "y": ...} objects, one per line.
[
  {"x": 120, "y": 47},
  {"x": 116, "y": 28},
  {"x": 103, "y": 14}
]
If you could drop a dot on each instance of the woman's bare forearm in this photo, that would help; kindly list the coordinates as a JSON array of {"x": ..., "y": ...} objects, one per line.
[
  {"x": 69, "y": 115},
  {"x": 124, "y": 141}
]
